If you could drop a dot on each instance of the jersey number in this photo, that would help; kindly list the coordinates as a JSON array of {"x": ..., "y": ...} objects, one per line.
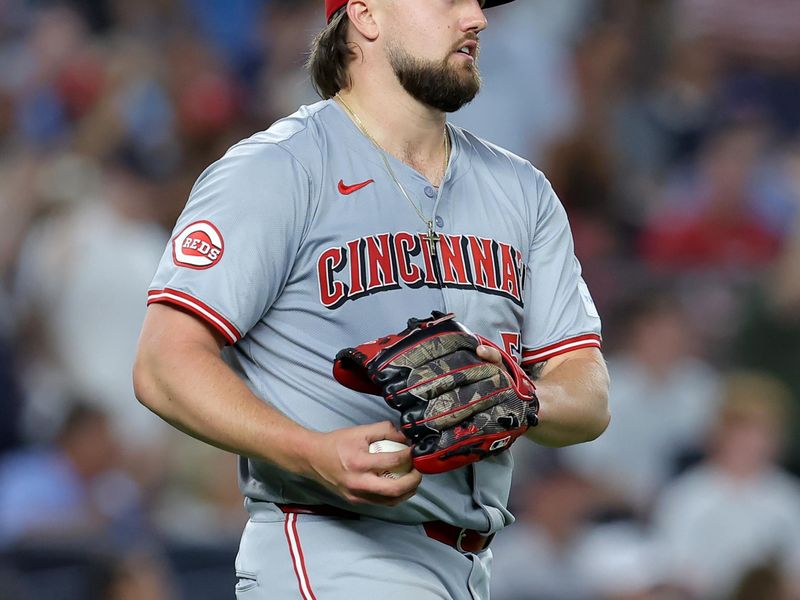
[{"x": 511, "y": 344}]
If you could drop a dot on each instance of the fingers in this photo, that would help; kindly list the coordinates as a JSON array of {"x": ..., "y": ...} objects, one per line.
[
  {"x": 384, "y": 430},
  {"x": 401, "y": 489},
  {"x": 491, "y": 354},
  {"x": 345, "y": 465},
  {"x": 380, "y": 462},
  {"x": 384, "y": 491},
  {"x": 372, "y": 488}
]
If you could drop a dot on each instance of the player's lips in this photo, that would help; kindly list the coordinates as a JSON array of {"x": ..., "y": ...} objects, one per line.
[{"x": 468, "y": 50}]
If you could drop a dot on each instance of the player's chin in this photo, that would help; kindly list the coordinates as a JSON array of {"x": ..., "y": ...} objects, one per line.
[
  {"x": 462, "y": 62},
  {"x": 467, "y": 74},
  {"x": 464, "y": 57}
]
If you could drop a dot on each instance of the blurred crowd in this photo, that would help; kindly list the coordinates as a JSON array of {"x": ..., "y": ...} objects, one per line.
[{"x": 670, "y": 131}]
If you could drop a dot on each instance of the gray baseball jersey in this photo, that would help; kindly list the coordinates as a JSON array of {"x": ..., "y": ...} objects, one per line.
[{"x": 298, "y": 243}]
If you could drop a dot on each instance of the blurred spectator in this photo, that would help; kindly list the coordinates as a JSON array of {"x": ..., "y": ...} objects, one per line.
[
  {"x": 70, "y": 490},
  {"x": 10, "y": 396},
  {"x": 231, "y": 26},
  {"x": 200, "y": 502},
  {"x": 663, "y": 397},
  {"x": 531, "y": 37},
  {"x": 620, "y": 562},
  {"x": 768, "y": 37},
  {"x": 580, "y": 162},
  {"x": 32, "y": 73},
  {"x": 288, "y": 32},
  {"x": 669, "y": 130},
  {"x": 763, "y": 582},
  {"x": 86, "y": 291},
  {"x": 713, "y": 221},
  {"x": 140, "y": 576},
  {"x": 202, "y": 92},
  {"x": 769, "y": 333},
  {"x": 662, "y": 125},
  {"x": 759, "y": 47},
  {"x": 64, "y": 570},
  {"x": 738, "y": 509},
  {"x": 537, "y": 557},
  {"x": 11, "y": 586},
  {"x": 10, "y": 400},
  {"x": 135, "y": 111}
]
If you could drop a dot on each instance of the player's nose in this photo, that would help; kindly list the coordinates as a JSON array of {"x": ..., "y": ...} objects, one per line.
[{"x": 474, "y": 18}]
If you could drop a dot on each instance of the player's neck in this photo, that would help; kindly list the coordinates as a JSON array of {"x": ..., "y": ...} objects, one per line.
[{"x": 409, "y": 130}]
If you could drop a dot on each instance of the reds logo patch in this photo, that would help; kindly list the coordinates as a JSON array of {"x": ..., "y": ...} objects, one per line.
[{"x": 198, "y": 246}]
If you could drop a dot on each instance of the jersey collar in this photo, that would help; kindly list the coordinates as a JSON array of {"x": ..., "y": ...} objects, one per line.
[{"x": 356, "y": 141}]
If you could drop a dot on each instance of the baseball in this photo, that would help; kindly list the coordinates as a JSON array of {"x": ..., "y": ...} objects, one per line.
[{"x": 388, "y": 446}]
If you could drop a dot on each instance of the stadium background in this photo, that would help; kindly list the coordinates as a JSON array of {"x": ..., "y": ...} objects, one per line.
[{"x": 670, "y": 132}]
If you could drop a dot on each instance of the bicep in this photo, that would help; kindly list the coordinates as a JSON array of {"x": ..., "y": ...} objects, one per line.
[
  {"x": 589, "y": 356},
  {"x": 172, "y": 346},
  {"x": 167, "y": 327}
]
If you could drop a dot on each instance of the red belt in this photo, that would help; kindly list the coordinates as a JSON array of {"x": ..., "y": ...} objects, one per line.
[{"x": 462, "y": 539}]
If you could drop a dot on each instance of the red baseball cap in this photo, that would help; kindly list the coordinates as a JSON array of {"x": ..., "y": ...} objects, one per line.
[{"x": 331, "y": 6}]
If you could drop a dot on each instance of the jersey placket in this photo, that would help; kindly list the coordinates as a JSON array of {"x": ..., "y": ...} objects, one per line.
[
  {"x": 437, "y": 197},
  {"x": 440, "y": 223},
  {"x": 422, "y": 191}
]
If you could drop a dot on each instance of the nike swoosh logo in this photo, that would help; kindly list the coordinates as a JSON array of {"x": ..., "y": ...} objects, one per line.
[{"x": 346, "y": 190}]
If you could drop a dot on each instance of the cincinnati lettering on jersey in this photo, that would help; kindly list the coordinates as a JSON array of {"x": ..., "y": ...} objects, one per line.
[{"x": 388, "y": 261}]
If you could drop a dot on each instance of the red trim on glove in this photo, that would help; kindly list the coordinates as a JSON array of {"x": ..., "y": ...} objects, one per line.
[
  {"x": 356, "y": 378},
  {"x": 519, "y": 379},
  {"x": 442, "y": 461}
]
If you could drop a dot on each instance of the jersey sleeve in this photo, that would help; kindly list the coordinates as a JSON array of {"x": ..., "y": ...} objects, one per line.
[
  {"x": 560, "y": 315},
  {"x": 234, "y": 245}
]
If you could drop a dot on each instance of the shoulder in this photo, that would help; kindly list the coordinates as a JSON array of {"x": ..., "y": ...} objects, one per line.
[
  {"x": 697, "y": 484},
  {"x": 501, "y": 162},
  {"x": 292, "y": 131},
  {"x": 290, "y": 142}
]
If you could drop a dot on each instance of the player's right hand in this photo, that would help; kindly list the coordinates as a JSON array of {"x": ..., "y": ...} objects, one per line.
[{"x": 341, "y": 461}]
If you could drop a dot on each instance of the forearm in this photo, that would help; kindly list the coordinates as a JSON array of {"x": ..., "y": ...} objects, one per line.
[
  {"x": 573, "y": 398},
  {"x": 195, "y": 391},
  {"x": 180, "y": 376}
]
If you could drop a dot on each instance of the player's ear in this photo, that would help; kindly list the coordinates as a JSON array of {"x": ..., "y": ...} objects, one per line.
[{"x": 361, "y": 15}]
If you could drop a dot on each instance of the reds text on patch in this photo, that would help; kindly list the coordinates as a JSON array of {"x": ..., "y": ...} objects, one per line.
[{"x": 198, "y": 246}]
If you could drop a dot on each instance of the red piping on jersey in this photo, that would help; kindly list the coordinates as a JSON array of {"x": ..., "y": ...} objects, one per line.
[
  {"x": 196, "y": 307},
  {"x": 589, "y": 340}
]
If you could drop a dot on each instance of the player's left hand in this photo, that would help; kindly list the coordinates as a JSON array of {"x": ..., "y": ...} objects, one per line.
[{"x": 460, "y": 397}]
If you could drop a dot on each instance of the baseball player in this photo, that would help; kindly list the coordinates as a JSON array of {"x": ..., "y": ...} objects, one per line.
[{"x": 333, "y": 227}]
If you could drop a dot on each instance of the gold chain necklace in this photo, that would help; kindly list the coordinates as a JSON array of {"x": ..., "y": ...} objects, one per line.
[{"x": 431, "y": 237}]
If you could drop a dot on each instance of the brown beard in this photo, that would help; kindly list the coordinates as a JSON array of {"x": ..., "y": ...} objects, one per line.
[{"x": 437, "y": 84}]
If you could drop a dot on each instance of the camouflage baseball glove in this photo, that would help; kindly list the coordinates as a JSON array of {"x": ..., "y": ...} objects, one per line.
[{"x": 455, "y": 407}]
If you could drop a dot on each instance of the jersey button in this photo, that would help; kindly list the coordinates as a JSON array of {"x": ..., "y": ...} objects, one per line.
[
  {"x": 430, "y": 192},
  {"x": 439, "y": 221}
]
